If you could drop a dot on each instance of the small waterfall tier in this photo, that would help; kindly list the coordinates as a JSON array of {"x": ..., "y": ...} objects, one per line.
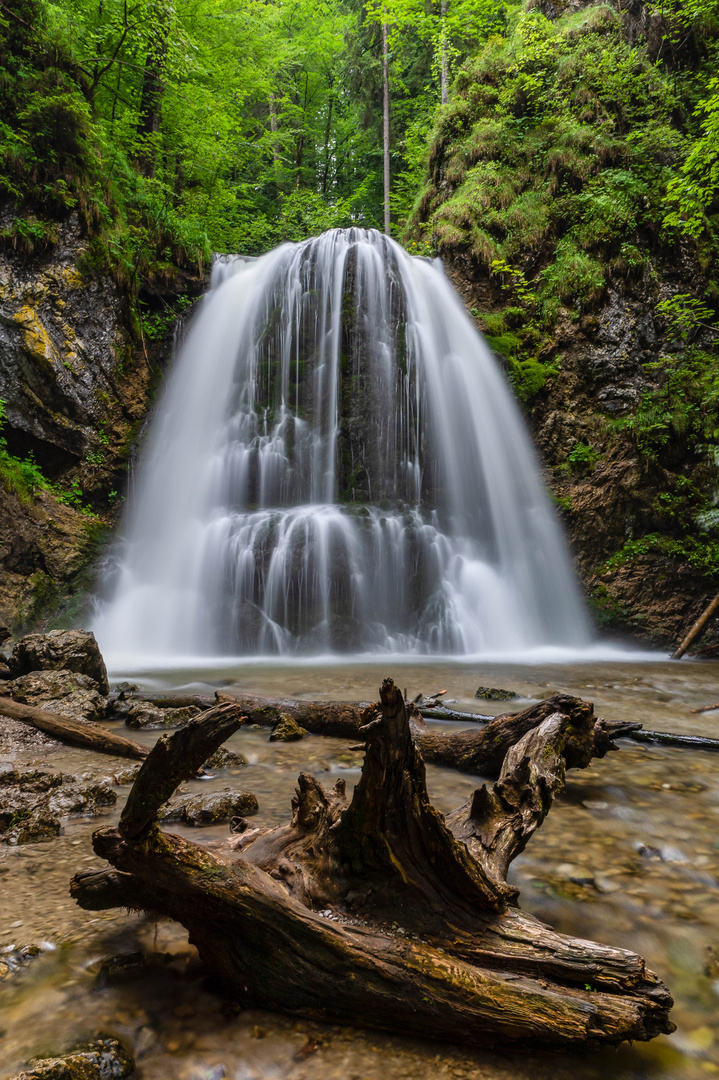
[{"x": 337, "y": 465}]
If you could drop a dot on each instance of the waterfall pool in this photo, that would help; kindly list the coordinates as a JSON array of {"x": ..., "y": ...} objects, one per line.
[{"x": 629, "y": 855}]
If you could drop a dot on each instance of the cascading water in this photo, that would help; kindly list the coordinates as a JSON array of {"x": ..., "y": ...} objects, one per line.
[{"x": 338, "y": 465}]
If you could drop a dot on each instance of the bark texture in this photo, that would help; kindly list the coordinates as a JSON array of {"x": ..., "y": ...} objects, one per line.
[
  {"x": 424, "y": 935},
  {"x": 83, "y": 733}
]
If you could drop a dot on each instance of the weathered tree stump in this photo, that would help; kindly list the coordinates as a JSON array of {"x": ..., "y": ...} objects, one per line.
[{"x": 422, "y": 934}]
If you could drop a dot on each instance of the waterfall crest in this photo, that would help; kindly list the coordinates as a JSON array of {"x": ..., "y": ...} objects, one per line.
[{"x": 337, "y": 465}]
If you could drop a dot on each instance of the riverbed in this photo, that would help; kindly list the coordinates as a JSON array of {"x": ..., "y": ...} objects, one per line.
[{"x": 629, "y": 855}]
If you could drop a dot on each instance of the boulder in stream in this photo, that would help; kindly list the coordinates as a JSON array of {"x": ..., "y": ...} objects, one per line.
[
  {"x": 60, "y": 650},
  {"x": 68, "y": 693},
  {"x": 287, "y": 729},
  {"x": 142, "y": 714},
  {"x": 214, "y": 808},
  {"x": 33, "y": 802},
  {"x": 104, "y": 1058},
  {"x": 495, "y": 693}
]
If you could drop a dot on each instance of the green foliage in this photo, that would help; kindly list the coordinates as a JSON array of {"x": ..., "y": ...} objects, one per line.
[
  {"x": 582, "y": 457},
  {"x": 551, "y": 163},
  {"x": 23, "y": 476},
  {"x": 682, "y": 409},
  {"x": 701, "y": 554},
  {"x": 685, "y": 314}
]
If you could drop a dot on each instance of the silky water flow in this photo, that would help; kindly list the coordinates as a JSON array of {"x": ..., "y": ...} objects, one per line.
[{"x": 337, "y": 465}]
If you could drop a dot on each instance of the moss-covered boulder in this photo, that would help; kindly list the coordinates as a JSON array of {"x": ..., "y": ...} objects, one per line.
[{"x": 287, "y": 730}]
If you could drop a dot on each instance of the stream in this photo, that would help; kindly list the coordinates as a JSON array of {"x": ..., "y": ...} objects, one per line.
[{"x": 629, "y": 855}]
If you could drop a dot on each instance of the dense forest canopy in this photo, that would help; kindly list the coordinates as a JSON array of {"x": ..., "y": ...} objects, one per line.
[{"x": 232, "y": 126}]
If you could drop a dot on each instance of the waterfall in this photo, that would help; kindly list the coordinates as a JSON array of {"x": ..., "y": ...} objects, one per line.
[{"x": 337, "y": 465}]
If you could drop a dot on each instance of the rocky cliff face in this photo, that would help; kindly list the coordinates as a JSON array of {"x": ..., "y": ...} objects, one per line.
[
  {"x": 617, "y": 503},
  {"x": 76, "y": 380}
]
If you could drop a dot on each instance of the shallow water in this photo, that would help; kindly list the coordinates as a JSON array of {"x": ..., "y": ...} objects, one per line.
[{"x": 629, "y": 856}]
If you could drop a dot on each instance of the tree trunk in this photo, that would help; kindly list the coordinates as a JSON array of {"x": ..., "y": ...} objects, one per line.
[
  {"x": 75, "y": 732},
  {"x": 385, "y": 126},
  {"x": 443, "y": 55},
  {"x": 423, "y": 936},
  {"x": 153, "y": 88},
  {"x": 478, "y": 752},
  {"x": 697, "y": 629}
]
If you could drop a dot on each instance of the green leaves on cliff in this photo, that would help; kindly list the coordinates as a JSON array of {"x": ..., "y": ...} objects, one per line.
[{"x": 554, "y": 156}]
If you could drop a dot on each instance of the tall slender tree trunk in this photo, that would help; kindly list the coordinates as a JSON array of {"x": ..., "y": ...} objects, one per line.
[
  {"x": 444, "y": 58},
  {"x": 328, "y": 129},
  {"x": 385, "y": 124},
  {"x": 274, "y": 128},
  {"x": 153, "y": 88}
]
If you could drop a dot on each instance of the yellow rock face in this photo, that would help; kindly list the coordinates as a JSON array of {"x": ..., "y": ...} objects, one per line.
[{"x": 36, "y": 339}]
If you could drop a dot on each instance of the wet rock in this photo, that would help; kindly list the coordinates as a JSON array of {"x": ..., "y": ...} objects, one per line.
[
  {"x": 102, "y": 1059},
  {"x": 493, "y": 693},
  {"x": 33, "y": 802},
  {"x": 127, "y": 776},
  {"x": 65, "y": 692},
  {"x": 60, "y": 650},
  {"x": 214, "y": 808},
  {"x": 287, "y": 730},
  {"x": 30, "y": 826},
  {"x": 225, "y": 759},
  {"x": 143, "y": 714},
  {"x": 14, "y": 957},
  {"x": 121, "y": 968}
]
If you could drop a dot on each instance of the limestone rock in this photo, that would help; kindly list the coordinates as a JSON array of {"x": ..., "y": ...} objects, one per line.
[
  {"x": 287, "y": 730},
  {"x": 60, "y": 650},
  {"x": 33, "y": 802},
  {"x": 102, "y": 1059},
  {"x": 494, "y": 693},
  {"x": 215, "y": 808},
  {"x": 65, "y": 692},
  {"x": 142, "y": 714},
  {"x": 225, "y": 759}
]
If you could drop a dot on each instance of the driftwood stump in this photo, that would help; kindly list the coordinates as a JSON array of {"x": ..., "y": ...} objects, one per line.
[{"x": 379, "y": 912}]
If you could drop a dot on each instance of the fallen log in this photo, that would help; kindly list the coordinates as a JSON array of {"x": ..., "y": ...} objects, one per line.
[
  {"x": 378, "y": 912},
  {"x": 697, "y": 629},
  {"x": 668, "y": 738},
  {"x": 477, "y": 752},
  {"x": 83, "y": 733}
]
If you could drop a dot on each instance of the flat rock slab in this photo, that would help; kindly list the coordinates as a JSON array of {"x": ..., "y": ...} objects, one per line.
[
  {"x": 214, "y": 808},
  {"x": 60, "y": 650}
]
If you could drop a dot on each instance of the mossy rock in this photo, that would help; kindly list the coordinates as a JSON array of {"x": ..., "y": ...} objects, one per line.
[
  {"x": 102, "y": 1059},
  {"x": 494, "y": 693},
  {"x": 287, "y": 730},
  {"x": 225, "y": 759}
]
